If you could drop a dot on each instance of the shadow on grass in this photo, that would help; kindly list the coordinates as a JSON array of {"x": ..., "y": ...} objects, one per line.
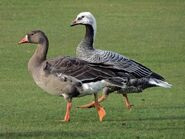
[{"x": 44, "y": 134}]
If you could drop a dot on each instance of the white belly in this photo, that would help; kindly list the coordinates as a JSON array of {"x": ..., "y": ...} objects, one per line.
[{"x": 91, "y": 88}]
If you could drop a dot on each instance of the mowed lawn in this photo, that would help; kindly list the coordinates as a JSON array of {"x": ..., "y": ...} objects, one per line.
[{"x": 149, "y": 31}]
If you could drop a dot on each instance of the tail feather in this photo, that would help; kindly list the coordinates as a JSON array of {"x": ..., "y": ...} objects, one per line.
[
  {"x": 160, "y": 83},
  {"x": 157, "y": 76}
]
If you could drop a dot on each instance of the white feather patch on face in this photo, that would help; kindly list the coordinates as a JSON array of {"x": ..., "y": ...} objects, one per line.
[
  {"x": 88, "y": 18},
  {"x": 26, "y": 37}
]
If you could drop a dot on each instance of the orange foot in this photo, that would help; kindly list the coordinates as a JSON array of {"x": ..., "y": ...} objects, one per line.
[
  {"x": 129, "y": 106},
  {"x": 127, "y": 103},
  {"x": 66, "y": 118},
  {"x": 101, "y": 113},
  {"x": 100, "y": 110}
]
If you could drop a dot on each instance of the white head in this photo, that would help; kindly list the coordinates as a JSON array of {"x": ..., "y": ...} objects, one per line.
[{"x": 85, "y": 18}]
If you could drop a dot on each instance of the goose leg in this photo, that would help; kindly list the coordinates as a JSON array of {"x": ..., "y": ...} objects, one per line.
[
  {"x": 91, "y": 105},
  {"x": 105, "y": 93},
  {"x": 127, "y": 103},
  {"x": 99, "y": 108},
  {"x": 68, "y": 109}
]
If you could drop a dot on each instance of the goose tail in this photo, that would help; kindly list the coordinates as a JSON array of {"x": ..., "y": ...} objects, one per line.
[{"x": 160, "y": 83}]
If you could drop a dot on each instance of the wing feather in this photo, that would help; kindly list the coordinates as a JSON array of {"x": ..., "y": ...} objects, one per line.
[
  {"x": 80, "y": 69},
  {"x": 127, "y": 65}
]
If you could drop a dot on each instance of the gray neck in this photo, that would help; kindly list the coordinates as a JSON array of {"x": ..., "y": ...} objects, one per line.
[
  {"x": 39, "y": 55},
  {"x": 88, "y": 40}
]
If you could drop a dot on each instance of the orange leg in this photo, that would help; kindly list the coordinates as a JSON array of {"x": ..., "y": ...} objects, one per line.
[
  {"x": 68, "y": 109},
  {"x": 127, "y": 103},
  {"x": 102, "y": 98},
  {"x": 99, "y": 108},
  {"x": 92, "y": 104}
]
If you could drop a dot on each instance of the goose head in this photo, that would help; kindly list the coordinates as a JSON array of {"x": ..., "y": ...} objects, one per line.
[
  {"x": 85, "y": 18},
  {"x": 36, "y": 37}
]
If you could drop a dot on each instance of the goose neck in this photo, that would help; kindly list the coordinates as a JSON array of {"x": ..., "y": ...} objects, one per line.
[
  {"x": 39, "y": 55},
  {"x": 89, "y": 35},
  {"x": 89, "y": 32}
]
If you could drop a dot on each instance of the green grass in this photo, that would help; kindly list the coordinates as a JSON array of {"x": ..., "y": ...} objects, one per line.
[{"x": 151, "y": 32}]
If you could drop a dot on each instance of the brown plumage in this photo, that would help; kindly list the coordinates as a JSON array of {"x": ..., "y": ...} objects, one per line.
[{"x": 67, "y": 76}]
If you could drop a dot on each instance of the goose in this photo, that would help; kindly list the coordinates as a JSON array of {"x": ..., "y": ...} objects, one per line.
[
  {"x": 67, "y": 76},
  {"x": 86, "y": 51}
]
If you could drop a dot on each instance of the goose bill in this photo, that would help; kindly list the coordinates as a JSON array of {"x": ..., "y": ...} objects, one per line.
[
  {"x": 23, "y": 40},
  {"x": 73, "y": 23}
]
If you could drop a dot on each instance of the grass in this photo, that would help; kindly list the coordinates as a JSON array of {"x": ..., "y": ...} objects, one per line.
[{"x": 152, "y": 32}]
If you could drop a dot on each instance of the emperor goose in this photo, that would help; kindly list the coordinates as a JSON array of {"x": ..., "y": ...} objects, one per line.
[
  {"x": 87, "y": 52},
  {"x": 68, "y": 77}
]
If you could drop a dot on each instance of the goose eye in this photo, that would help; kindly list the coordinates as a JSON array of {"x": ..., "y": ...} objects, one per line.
[{"x": 80, "y": 18}]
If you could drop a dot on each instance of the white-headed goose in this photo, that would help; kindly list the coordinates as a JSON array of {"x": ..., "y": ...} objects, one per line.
[{"x": 135, "y": 70}]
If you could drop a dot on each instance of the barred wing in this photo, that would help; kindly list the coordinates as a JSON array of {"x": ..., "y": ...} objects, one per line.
[
  {"x": 122, "y": 62},
  {"x": 80, "y": 69}
]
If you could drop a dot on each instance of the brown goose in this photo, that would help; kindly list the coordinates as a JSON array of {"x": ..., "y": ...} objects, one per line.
[{"x": 66, "y": 76}]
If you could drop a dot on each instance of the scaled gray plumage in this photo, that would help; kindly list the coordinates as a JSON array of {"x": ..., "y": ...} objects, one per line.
[
  {"x": 140, "y": 77},
  {"x": 135, "y": 70}
]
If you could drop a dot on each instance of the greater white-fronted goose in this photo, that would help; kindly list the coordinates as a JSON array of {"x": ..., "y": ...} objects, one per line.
[
  {"x": 86, "y": 51},
  {"x": 66, "y": 76}
]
